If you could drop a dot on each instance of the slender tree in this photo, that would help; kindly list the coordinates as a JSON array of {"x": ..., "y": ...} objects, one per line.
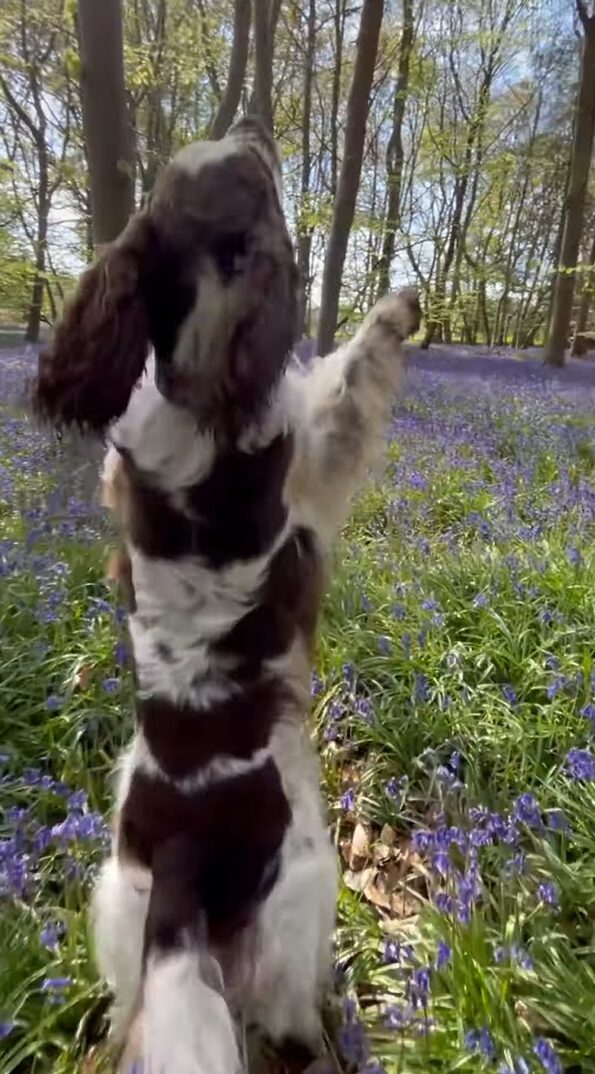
[
  {"x": 266, "y": 15},
  {"x": 349, "y": 177},
  {"x": 238, "y": 60},
  {"x": 394, "y": 150},
  {"x": 584, "y": 129},
  {"x": 304, "y": 242},
  {"x": 108, "y": 132}
]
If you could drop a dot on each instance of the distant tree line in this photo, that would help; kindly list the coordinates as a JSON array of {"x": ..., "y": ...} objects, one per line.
[{"x": 446, "y": 142}]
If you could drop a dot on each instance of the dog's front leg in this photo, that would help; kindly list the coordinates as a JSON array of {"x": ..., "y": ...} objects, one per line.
[{"x": 347, "y": 402}]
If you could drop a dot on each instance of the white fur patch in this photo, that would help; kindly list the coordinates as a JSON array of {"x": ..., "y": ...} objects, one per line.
[
  {"x": 163, "y": 439},
  {"x": 188, "y": 1028}
]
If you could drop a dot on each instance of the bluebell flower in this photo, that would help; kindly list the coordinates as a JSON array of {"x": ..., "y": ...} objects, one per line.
[
  {"x": 548, "y": 1058},
  {"x": 6, "y": 1028},
  {"x": 558, "y": 821},
  {"x": 365, "y": 709},
  {"x": 418, "y": 988},
  {"x": 421, "y": 689},
  {"x": 480, "y": 600},
  {"x": 588, "y": 711},
  {"x": 392, "y": 952},
  {"x": 54, "y": 702},
  {"x": 580, "y": 765},
  {"x": 510, "y": 694},
  {"x": 111, "y": 685},
  {"x": 443, "y": 955},
  {"x": 316, "y": 684},
  {"x": 121, "y": 655},
  {"x": 444, "y": 902},
  {"x": 51, "y": 984},
  {"x": 50, "y": 935},
  {"x": 397, "y": 787},
  {"x": 397, "y": 1017},
  {"x": 349, "y": 674},
  {"x": 526, "y": 810},
  {"x": 548, "y": 894},
  {"x": 347, "y": 800},
  {"x": 384, "y": 645},
  {"x": 574, "y": 557}
]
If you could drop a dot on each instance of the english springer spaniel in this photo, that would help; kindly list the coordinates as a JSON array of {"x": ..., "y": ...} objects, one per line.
[{"x": 231, "y": 470}]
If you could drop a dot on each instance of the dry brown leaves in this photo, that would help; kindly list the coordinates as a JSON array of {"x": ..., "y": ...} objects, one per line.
[{"x": 383, "y": 867}]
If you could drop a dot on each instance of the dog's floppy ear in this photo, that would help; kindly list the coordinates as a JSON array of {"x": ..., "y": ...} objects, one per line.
[{"x": 86, "y": 375}]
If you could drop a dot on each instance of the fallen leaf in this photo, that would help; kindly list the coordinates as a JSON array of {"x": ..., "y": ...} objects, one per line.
[
  {"x": 358, "y": 881},
  {"x": 360, "y": 846},
  {"x": 387, "y": 836},
  {"x": 83, "y": 677}
]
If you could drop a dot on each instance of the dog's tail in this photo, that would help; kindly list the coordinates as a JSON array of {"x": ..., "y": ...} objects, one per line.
[{"x": 187, "y": 1025}]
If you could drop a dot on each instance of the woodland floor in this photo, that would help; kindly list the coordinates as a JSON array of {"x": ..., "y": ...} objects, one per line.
[{"x": 454, "y": 704}]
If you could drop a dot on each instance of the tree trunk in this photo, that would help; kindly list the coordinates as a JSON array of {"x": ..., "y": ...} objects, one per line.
[
  {"x": 266, "y": 14},
  {"x": 584, "y": 127},
  {"x": 338, "y": 33},
  {"x": 238, "y": 60},
  {"x": 108, "y": 133},
  {"x": 394, "y": 150},
  {"x": 38, "y": 288},
  {"x": 348, "y": 183},
  {"x": 304, "y": 242},
  {"x": 579, "y": 346}
]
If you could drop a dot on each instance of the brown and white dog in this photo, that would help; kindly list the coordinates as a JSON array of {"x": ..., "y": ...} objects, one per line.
[{"x": 231, "y": 470}]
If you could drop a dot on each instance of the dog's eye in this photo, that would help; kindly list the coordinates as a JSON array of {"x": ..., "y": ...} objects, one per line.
[{"x": 228, "y": 253}]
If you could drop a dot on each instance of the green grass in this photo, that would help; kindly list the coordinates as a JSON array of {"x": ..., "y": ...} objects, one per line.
[{"x": 460, "y": 621}]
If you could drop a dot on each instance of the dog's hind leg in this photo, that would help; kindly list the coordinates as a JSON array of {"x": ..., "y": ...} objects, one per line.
[
  {"x": 119, "y": 913},
  {"x": 295, "y": 929}
]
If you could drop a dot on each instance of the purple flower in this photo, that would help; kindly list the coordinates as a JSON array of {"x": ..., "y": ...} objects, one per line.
[
  {"x": 316, "y": 684},
  {"x": 384, "y": 645},
  {"x": 557, "y": 821},
  {"x": 441, "y": 863},
  {"x": 516, "y": 865},
  {"x": 77, "y": 800},
  {"x": 580, "y": 765},
  {"x": 548, "y": 1058},
  {"x": 521, "y": 956},
  {"x": 51, "y": 984},
  {"x": 54, "y": 702},
  {"x": 548, "y": 894},
  {"x": 347, "y": 800},
  {"x": 418, "y": 987},
  {"x": 397, "y": 1017},
  {"x": 481, "y": 1040},
  {"x": 364, "y": 708},
  {"x": 480, "y": 601},
  {"x": 121, "y": 654},
  {"x": 352, "y": 1036},
  {"x": 421, "y": 840},
  {"x": 111, "y": 686},
  {"x": 395, "y": 788},
  {"x": 421, "y": 689},
  {"x": 50, "y": 935},
  {"x": 510, "y": 694},
  {"x": 588, "y": 711},
  {"x": 526, "y": 810},
  {"x": 6, "y": 1028},
  {"x": 392, "y": 952},
  {"x": 349, "y": 674},
  {"x": 444, "y": 902},
  {"x": 443, "y": 954},
  {"x": 574, "y": 557}
]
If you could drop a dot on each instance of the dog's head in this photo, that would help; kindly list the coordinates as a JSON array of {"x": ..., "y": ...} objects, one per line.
[{"x": 204, "y": 275}]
